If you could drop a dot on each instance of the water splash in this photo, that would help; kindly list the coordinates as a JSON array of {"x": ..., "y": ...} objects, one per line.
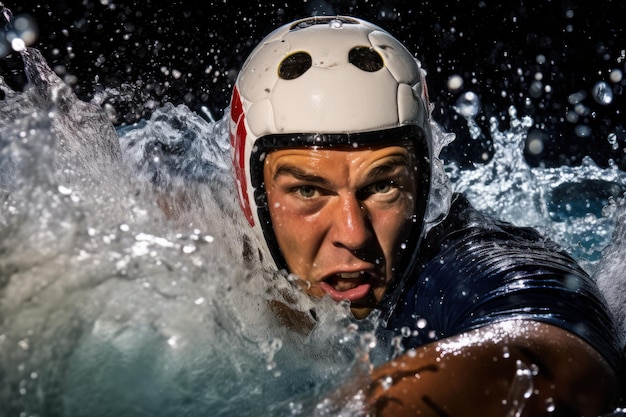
[
  {"x": 130, "y": 265},
  {"x": 565, "y": 203},
  {"x": 113, "y": 253}
]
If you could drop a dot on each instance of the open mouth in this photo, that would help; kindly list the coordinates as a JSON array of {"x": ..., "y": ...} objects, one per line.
[{"x": 347, "y": 285}]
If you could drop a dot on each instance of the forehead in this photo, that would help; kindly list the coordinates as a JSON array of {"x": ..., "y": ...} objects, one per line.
[{"x": 400, "y": 153}]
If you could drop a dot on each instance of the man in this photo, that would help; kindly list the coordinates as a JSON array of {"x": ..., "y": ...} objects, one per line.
[{"x": 337, "y": 172}]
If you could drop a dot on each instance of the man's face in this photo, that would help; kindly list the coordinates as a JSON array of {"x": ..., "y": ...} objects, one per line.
[{"x": 341, "y": 216}]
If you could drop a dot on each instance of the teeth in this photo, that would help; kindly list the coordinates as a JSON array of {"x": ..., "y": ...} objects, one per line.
[{"x": 349, "y": 275}]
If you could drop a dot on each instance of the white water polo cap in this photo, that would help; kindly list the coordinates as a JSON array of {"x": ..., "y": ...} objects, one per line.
[{"x": 325, "y": 82}]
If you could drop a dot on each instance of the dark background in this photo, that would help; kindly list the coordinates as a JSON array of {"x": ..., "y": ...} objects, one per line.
[{"x": 190, "y": 51}]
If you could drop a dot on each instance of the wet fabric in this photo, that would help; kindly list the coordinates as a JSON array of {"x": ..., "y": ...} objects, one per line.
[{"x": 476, "y": 271}]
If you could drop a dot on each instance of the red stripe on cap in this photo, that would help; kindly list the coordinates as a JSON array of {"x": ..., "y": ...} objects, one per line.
[{"x": 238, "y": 142}]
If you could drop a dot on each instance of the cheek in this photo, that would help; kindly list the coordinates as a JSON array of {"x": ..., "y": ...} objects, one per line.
[
  {"x": 295, "y": 240},
  {"x": 292, "y": 231},
  {"x": 393, "y": 226},
  {"x": 282, "y": 223}
]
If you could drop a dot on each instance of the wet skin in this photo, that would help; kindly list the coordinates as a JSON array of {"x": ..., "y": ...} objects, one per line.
[{"x": 341, "y": 216}]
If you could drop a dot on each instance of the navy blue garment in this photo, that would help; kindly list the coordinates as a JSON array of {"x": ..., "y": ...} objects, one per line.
[{"x": 475, "y": 271}]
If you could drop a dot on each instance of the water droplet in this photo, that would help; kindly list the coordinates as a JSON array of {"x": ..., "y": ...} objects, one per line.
[
  {"x": 603, "y": 93},
  {"x": 172, "y": 341},
  {"x": 455, "y": 82},
  {"x": 571, "y": 116},
  {"x": 296, "y": 408},
  {"x": 534, "y": 369},
  {"x": 468, "y": 104},
  {"x": 18, "y": 44},
  {"x": 387, "y": 382},
  {"x": 616, "y": 75},
  {"x": 582, "y": 131},
  {"x": 368, "y": 341},
  {"x": 505, "y": 352},
  {"x": 335, "y": 24},
  {"x": 535, "y": 141},
  {"x": 536, "y": 89},
  {"x": 576, "y": 98},
  {"x": 64, "y": 190},
  {"x": 550, "y": 405},
  {"x": 612, "y": 138}
]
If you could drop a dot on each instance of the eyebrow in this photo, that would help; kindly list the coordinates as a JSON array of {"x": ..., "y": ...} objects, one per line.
[
  {"x": 300, "y": 174},
  {"x": 391, "y": 163}
]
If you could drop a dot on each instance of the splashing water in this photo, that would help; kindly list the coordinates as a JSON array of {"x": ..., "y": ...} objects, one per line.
[
  {"x": 123, "y": 289},
  {"x": 571, "y": 205},
  {"x": 94, "y": 272}
]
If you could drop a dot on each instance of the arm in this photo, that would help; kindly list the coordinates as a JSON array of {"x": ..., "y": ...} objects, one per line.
[{"x": 512, "y": 368}]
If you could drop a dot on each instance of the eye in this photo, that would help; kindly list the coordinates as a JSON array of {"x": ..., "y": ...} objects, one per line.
[
  {"x": 381, "y": 187},
  {"x": 306, "y": 191}
]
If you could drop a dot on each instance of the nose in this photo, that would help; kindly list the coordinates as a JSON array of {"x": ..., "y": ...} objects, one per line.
[{"x": 351, "y": 225}]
